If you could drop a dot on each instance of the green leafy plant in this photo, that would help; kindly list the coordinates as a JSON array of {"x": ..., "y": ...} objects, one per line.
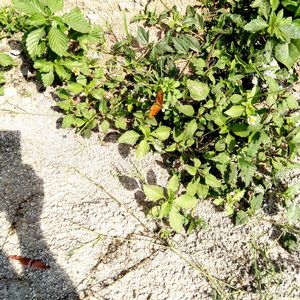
[
  {"x": 174, "y": 208},
  {"x": 6, "y": 62},
  {"x": 10, "y": 22},
  {"x": 227, "y": 124},
  {"x": 58, "y": 45}
]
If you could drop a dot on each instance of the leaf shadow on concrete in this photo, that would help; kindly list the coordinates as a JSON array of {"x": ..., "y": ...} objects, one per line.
[{"x": 22, "y": 197}]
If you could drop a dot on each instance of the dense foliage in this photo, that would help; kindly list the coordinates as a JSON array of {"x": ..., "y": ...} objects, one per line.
[{"x": 227, "y": 121}]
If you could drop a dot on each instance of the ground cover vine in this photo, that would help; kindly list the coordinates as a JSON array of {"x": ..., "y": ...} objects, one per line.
[{"x": 210, "y": 89}]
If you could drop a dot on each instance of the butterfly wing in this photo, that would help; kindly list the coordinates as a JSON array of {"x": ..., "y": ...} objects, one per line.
[
  {"x": 154, "y": 110},
  {"x": 24, "y": 261},
  {"x": 156, "y": 107},
  {"x": 159, "y": 97},
  {"x": 38, "y": 264},
  {"x": 29, "y": 263}
]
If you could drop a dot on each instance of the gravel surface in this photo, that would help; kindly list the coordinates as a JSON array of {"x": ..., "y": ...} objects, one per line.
[{"x": 98, "y": 247}]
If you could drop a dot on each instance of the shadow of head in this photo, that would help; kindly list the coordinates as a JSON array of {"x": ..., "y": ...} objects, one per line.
[{"x": 22, "y": 196}]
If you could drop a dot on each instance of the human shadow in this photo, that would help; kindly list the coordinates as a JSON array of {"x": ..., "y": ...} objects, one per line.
[{"x": 21, "y": 201}]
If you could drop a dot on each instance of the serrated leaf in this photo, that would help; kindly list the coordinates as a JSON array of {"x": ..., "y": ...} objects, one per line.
[
  {"x": 142, "y": 149},
  {"x": 222, "y": 158},
  {"x": 55, "y": 5},
  {"x": 43, "y": 65},
  {"x": 186, "y": 201},
  {"x": 77, "y": 21},
  {"x": 121, "y": 123},
  {"x": 129, "y": 137},
  {"x": 173, "y": 184},
  {"x": 293, "y": 213},
  {"x": 58, "y": 41},
  {"x": 47, "y": 78},
  {"x": 235, "y": 111},
  {"x": 6, "y": 60},
  {"x": 62, "y": 72},
  {"x": 153, "y": 192},
  {"x": 187, "y": 110},
  {"x": 32, "y": 41},
  {"x": 176, "y": 220},
  {"x": 74, "y": 87},
  {"x": 105, "y": 126},
  {"x": 162, "y": 133},
  {"x": 256, "y": 202},
  {"x": 68, "y": 121},
  {"x": 288, "y": 53},
  {"x": 198, "y": 90},
  {"x": 241, "y": 218},
  {"x": 202, "y": 190},
  {"x": 256, "y": 25},
  {"x": 28, "y": 7},
  {"x": 212, "y": 181},
  {"x": 181, "y": 45},
  {"x": 247, "y": 170},
  {"x": 240, "y": 130}
]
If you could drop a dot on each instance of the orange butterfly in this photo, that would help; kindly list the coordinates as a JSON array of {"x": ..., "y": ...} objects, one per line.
[
  {"x": 29, "y": 263},
  {"x": 157, "y": 106}
]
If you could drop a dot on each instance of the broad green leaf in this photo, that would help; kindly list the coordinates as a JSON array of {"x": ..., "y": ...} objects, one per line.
[
  {"x": 274, "y": 4},
  {"x": 37, "y": 20},
  {"x": 105, "y": 126},
  {"x": 293, "y": 212},
  {"x": 292, "y": 102},
  {"x": 77, "y": 21},
  {"x": 191, "y": 170},
  {"x": 121, "y": 123},
  {"x": 55, "y": 5},
  {"x": 240, "y": 130},
  {"x": 43, "y": 65},
  {"x": 247, "y": 170},
  {"x": 186, "y": 201},
  {"x": 187, "y": 110},
  {"x": 165, "y": 210},
  {"x": 256, "y": 25},
  {"x": 143, "y": 35},
  {"x": 32, "y": 41},
  {"x": 202, "y": 190},
  {"x": 129, "y": 137},
  {"x": 6, "y": 60},
  {"x": 241, "y": 218},
  {"x": 212, "y": 181},
  {"x": 58, "y": 41},
  {"x": 142, "y": 149},
  {"x": 98, "y": 93},
  {"x": 256, "y": 202},
  {"x": 28, "y": 7},
  {"x": 62, "y": 72},
  {"x": 191, "y": 188},
  {"x": 198, "y": 90},
  {"x": 74, "y": 87},
  {"x": 68, "y": 121},
  {"x": 235, "y": 111},
  {"x": 176, "y": 220},
  {"x": 173, "y": 184},
  {"x": 191, "y": 128},
  {"x": 288, "y": 53},
  {"x": 289, "y": 242},
  {"x": 181, "y": 45},
  {"x": 162, "y": 133},
  {"x": 236, "y": 99},
  {"x": 222, "y": 158},
  {"x": 47, "y": 78},
  {"x": 153, "y": 192}
]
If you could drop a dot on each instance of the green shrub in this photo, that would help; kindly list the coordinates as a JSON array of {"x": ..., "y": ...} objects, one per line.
[{"x": 228, "y": 118}]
